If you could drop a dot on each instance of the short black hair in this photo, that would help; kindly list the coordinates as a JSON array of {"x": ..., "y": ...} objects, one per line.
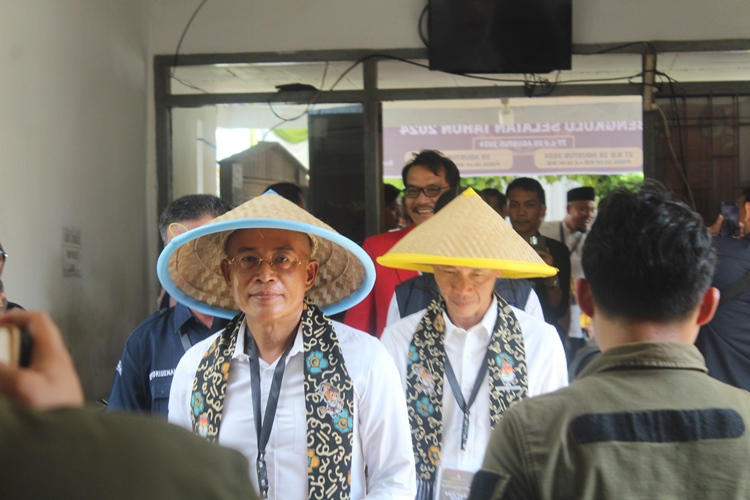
[
  {"x": 390, "y": 193},
  {"x": 494, "y": 193},
  {"x": 527, "y": 184},
  {"x": 191, "y": 207},
  {"x": 647, "y": 257},
  {"x": 436, "y": 162},
  {"x": 746, "y": 194},
  {"x": 287, "y": 190}
]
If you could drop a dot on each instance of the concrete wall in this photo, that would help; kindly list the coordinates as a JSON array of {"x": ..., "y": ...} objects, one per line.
[
  {"x": 288, "y": 25},
  {"x": 73, "y": 149}
]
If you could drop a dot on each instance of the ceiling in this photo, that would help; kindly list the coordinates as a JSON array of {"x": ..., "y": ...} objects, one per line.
[{"x": 395, "y": 74}]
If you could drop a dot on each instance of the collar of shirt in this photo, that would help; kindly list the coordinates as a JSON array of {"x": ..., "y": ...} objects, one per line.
[
  {"x": 239, "y": 351},
  {"x": 483, "y": 328},
  {"x": 181, "y": 316},
  {"x": 671, "y": 355}
]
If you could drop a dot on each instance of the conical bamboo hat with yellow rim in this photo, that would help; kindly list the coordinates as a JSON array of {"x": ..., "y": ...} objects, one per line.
[{"x": 467, "y": 232}]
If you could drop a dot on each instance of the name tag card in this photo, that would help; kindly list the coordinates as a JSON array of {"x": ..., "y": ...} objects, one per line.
[{"x": 453, "y": 484}]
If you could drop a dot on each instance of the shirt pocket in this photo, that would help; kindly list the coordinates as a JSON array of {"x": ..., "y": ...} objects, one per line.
[{"x": 160, "y": 387}]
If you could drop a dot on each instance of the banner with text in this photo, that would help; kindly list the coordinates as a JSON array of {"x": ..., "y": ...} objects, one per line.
[{"x": 594, "y": 147}]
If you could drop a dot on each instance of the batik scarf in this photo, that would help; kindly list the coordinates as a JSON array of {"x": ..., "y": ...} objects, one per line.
[
  {"x": 425, "y": 372},
  {"x": 329, "y": 400}
]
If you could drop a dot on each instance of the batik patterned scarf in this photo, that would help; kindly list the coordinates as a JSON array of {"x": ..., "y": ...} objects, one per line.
[
  {"x": 329, "y": 401},
  {"x": 426, "y": 369}
]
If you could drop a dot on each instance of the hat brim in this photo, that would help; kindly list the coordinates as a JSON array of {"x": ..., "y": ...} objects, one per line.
[
  {"x": 510, "y": 268},
  {"x": 165, "y": 277}
]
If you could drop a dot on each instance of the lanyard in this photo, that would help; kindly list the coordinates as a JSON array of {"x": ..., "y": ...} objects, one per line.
[
  {"x": 185, "y": 339},
  {"x": 460, "y": 397},
  {"x": 263, "y": 429}
]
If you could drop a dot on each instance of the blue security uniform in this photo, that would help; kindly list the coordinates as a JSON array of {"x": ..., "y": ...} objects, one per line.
[{"x": 143, "y": 376}]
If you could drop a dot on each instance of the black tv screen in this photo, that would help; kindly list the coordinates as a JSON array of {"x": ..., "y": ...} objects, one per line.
[{"x": 500, "y": 36}]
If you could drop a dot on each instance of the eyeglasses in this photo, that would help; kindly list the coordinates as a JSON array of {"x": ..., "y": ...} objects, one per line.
[
  {"x": 429, "y": 191},
  {"x": 280, "y": 263},
  {"x": 3, "y": 255}
]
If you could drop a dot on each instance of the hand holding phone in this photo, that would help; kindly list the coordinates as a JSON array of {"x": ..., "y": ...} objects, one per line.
[
  {"x": 50, "y": 379},
  {"x": 15, "y": 346},
  {"x": 730, "y": 212}
]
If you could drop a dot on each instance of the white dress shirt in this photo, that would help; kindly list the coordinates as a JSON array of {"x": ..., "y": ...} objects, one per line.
[
  {"x": 532, "y": 307},
  {"x": 545, "y": 363},
  {"x": 382, "y": 440}
]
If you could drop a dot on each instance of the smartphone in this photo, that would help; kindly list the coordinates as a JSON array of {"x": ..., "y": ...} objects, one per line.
[
  {"x": 15, "y": 346},
  {"x": 730, "y": 226}
]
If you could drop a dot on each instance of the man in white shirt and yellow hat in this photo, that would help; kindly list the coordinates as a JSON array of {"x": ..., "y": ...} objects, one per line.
[
  {"x": 315, "y": 406},
  {"x": 469, "y": 356}
]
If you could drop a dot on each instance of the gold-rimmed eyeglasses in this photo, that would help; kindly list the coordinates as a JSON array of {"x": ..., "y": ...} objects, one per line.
[{"x": 281, "y": 263}]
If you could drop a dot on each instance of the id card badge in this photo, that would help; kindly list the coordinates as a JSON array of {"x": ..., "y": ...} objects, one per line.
[{"x": 453, "y": 484}]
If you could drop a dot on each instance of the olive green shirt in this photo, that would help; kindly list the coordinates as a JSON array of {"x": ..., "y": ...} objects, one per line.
[
  {"x": 89, "y": 454},
  {"x": 643, "y": 420}
]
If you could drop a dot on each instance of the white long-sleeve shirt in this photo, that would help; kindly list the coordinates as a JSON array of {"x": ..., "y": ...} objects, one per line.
[
  {"x": 382, "y": 439},
  {"x": 545, "y": 364}
]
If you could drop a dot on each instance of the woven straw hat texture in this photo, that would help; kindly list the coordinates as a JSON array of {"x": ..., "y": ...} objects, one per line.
[
  {"x": 195, "y": 267},
  {"x": 467, "y": 232}
]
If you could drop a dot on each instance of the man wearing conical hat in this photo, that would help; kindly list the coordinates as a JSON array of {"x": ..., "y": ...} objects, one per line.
[
  {"x": 469, "y": 355},
  {"x": 313, "y": 404}
]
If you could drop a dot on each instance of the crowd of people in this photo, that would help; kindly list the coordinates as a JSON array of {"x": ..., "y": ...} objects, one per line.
[{"x": 448, "y": 376}]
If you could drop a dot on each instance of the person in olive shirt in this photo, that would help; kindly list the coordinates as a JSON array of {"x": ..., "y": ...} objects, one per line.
[
  {"x": 51, "y": 447},
  {"x": 644, "y": 419}
]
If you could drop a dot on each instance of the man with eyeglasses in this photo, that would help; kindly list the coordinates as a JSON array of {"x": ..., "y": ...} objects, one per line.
[
  {"x": 5, "y": 305},
  {"x": 314, "y": 405},
  {"x": 144, "y": 373},
  {"x": 427, "y": 176}
]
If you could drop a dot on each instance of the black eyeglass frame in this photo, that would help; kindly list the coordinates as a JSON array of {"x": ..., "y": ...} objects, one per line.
[{"x": 414, "y": 191}]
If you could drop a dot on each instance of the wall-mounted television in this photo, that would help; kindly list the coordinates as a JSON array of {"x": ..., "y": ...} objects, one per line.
[{"x": 500, "y": 36}]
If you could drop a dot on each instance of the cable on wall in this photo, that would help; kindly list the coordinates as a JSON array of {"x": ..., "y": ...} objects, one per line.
[{"x": 677, "y": 164}]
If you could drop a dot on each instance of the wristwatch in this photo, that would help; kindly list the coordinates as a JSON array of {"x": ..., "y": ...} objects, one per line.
[{"x": 555, "y": 283}]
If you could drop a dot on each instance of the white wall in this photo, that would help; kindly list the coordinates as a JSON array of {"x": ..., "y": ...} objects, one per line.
[
  {"x": 283, "y": 25},
  {"x": 72, "y": 154}
]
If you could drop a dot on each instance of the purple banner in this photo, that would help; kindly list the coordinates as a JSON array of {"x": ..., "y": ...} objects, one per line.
[{"x": 594, "y": 147}]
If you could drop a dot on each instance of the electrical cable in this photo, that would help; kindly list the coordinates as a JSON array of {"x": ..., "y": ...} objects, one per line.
[
  {"x": 190, "y": 85},
  {"x": 310, "y": 103},
  {"x": 420, "y": 23},
  {"x": 677, "y": 165},
  {"x": 673, "y": 98},
  {"x": 182, "y": 37}
]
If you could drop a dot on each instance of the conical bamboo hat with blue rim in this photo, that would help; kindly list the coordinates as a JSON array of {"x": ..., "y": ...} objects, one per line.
[{"x": 189, "y": 267}]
